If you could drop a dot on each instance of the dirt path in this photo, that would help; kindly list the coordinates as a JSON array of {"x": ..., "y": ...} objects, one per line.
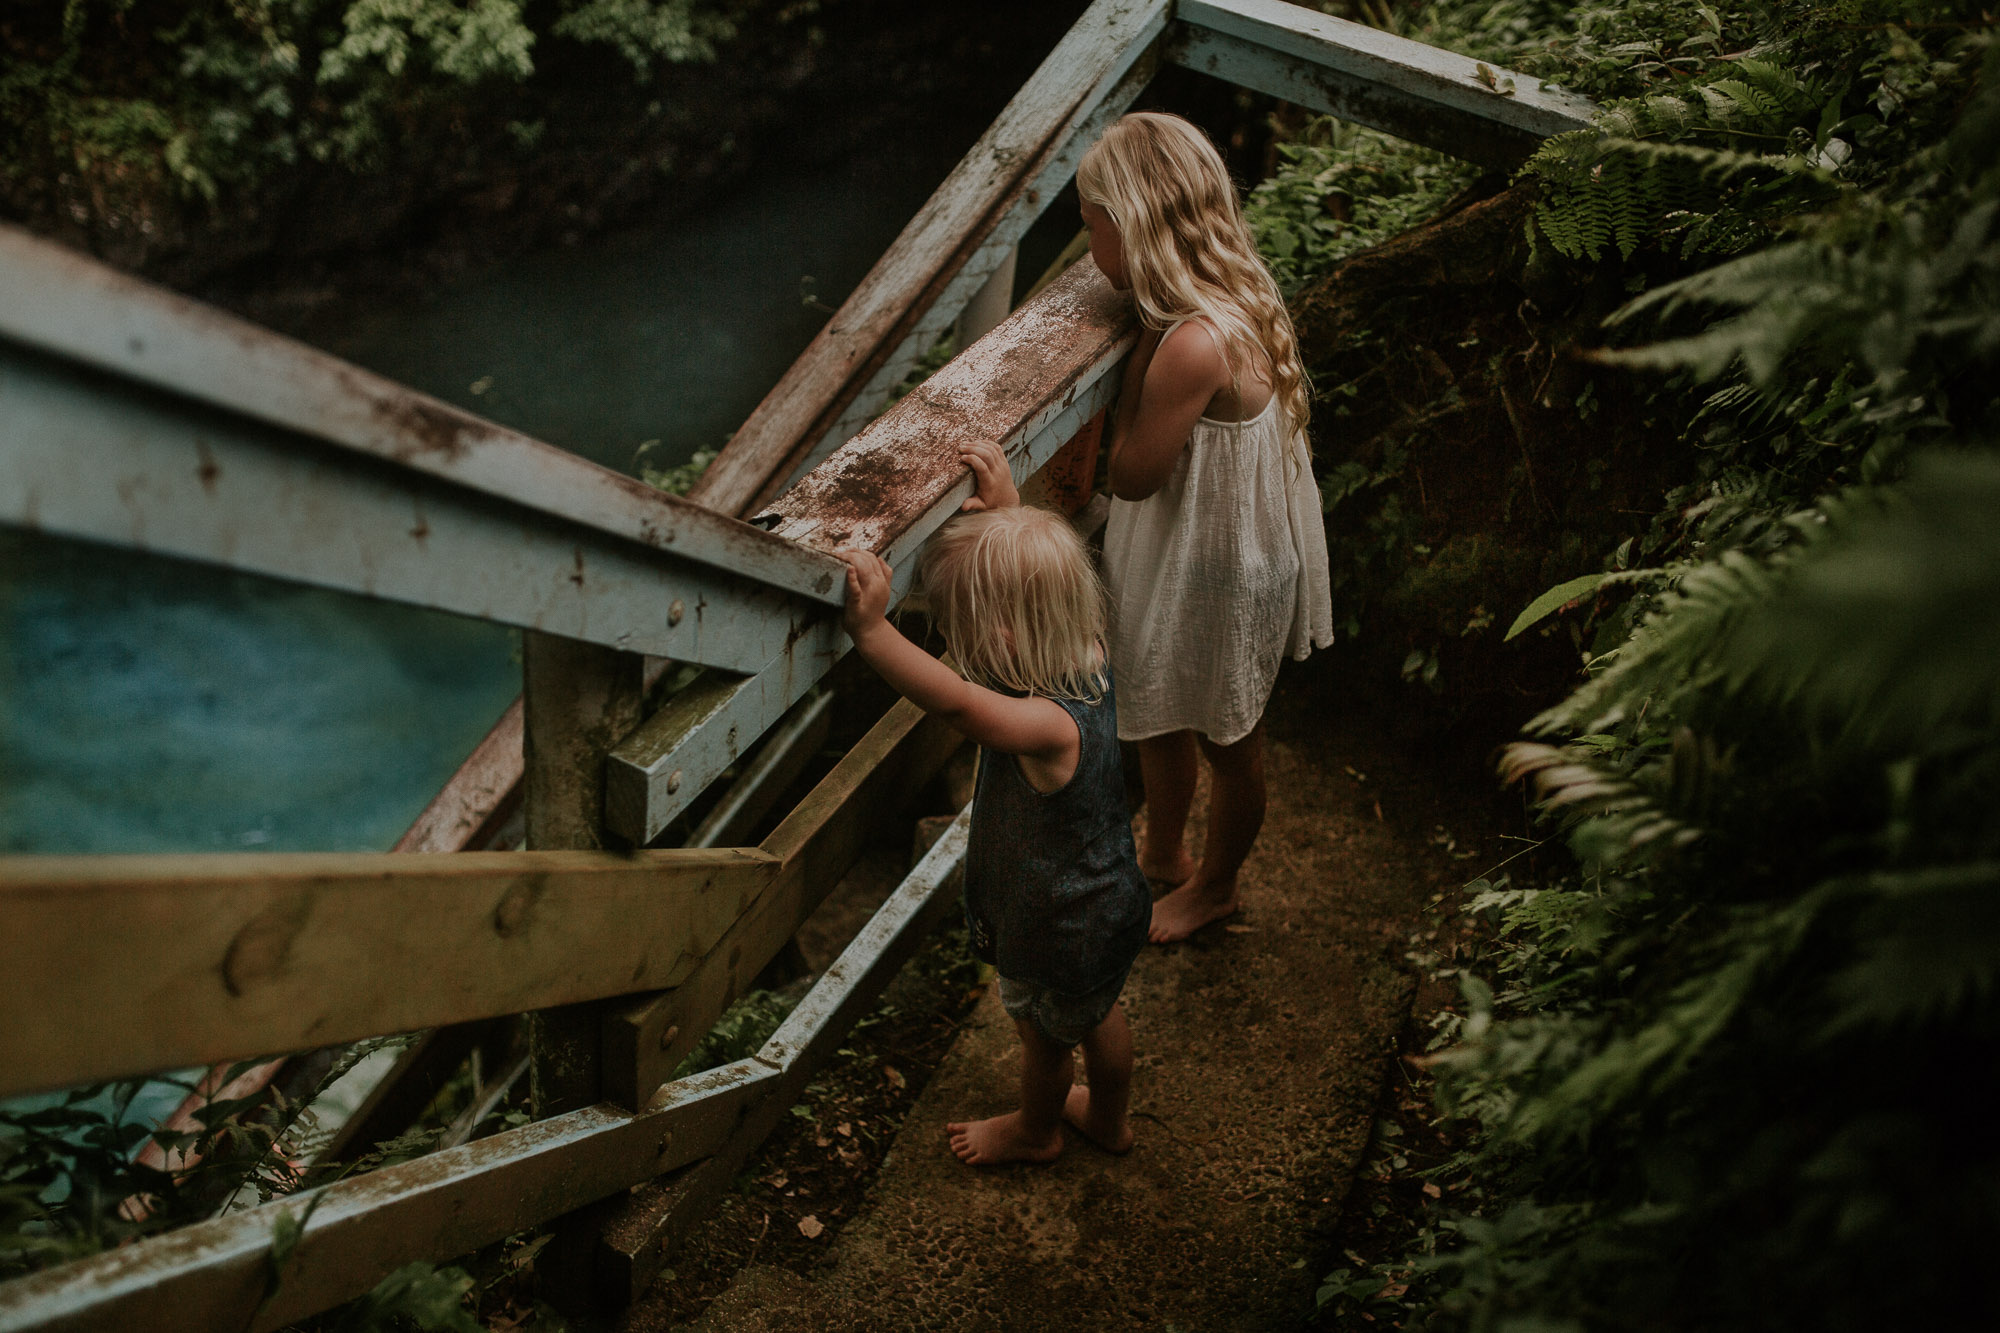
[{"x": 1262, "y": 1048}]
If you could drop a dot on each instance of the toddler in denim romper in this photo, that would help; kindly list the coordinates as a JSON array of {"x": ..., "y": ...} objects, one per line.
[{"x": 1053, "y": 893}]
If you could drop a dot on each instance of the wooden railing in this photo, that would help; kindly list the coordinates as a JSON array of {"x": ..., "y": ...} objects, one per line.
[{"x": 132, "y": 416}]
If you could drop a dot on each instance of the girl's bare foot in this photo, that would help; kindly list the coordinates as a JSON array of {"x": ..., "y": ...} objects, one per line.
[
  {"x": 1189, "y": 908},
  {"x": 1077, "y": 1111},
  {"x": 1001, "y": 1139},
  {"x": 1173, "y": 873}
]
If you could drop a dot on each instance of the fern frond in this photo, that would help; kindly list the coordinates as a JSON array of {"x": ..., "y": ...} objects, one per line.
[{"x": 1928, "y": 944}]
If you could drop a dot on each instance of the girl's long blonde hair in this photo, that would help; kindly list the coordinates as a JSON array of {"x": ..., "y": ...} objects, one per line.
[
  {"x": 1014, "y": 593},
  {"x": 1187, "y": 249}
]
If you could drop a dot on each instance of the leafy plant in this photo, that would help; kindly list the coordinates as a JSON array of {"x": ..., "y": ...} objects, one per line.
[
  {"x": 1706, "y": 1070},
  {"x": 1338, "y": 189}
]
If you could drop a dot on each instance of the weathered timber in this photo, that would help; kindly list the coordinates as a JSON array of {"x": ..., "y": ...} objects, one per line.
[
  {"x": 217, "y": 1275},
  {"x": 1032, "y": 384},
  {"x": 83, "y": 312},
  {"x": 945, "y": 254},
  {"x": 128, "y": 964},
  {"x": 579, "y": 699},
  {"x": 817, "y": 842},
  {"x": 116, "y": 461},
  {"x": 990, "y": 304},
  {"x": 641, "y": 1234},
  {"x": 792, "y": 744},
  {"x": 1417, "y": 92}
]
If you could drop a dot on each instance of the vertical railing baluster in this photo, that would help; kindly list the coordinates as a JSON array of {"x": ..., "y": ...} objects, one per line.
[{"x": 580, "y": 701}]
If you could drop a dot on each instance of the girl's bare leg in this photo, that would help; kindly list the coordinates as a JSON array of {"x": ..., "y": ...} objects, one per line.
[
  {"x": 1235, "y": 813},
  {"x": 1100, "y": 1111},
  {"x": 1169, "y": 766},
  {"x": 1033, "y": 1133}
]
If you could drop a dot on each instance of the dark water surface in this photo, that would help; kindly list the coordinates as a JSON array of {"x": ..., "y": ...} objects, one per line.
[{"x": 151, "y": 705}]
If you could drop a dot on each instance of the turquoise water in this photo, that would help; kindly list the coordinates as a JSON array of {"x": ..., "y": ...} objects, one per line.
[{"x": 148, "y": 705}]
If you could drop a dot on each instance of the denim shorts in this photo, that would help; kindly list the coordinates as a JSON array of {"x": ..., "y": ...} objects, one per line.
[{"x": 1063, "y": 1019}]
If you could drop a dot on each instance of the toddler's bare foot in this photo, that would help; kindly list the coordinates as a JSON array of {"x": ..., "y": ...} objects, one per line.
[
  {"x": 1189, "y": 908},
  {"x": 1077, "y": 1111},
  {"x": 1172, "y": 873},
  {"x": 1000, "y": 1139}
]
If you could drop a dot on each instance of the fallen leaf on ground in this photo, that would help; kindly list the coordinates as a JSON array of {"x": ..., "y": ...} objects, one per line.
[
  {"x": 894, "y": 1075},
  {"x": 810, "y": 1227},
  {"x": 845, "y": 1130},
  {"x": 1431, "y": 1189},
  {"x": 1240, "y": 930}
]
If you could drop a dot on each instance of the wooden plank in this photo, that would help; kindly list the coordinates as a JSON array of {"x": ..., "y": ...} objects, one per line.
[
  {"x": 950, "y": 244},
  {"x": 121, "y": 463},
  {"x": 791, "y": 746},
  {"x": 644, "y": 1039},
  {"x": 1417, "y": 92},
  {"x": 215, "y": 1275},
  {"x": 1031, "y": 384},
  {"x": 480, "y": 797},
  {"x": 58, "y": 301},
  {"x": 135, "y": 963},
  {"x": 641, "y": 1233},
  {"x": 579, "y": 700},
  {"x": 670, "y": 758}
]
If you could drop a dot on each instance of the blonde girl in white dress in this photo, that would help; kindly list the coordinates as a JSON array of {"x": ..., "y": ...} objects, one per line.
[{"x": 1215, "y": 555}]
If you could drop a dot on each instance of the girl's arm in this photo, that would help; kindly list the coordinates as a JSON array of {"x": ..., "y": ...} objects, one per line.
[
  {"x": 1159, "y": 402},
  {"x": 1039, "y": 730}
]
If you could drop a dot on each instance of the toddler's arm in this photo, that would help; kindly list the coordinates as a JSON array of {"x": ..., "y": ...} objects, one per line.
[
  {"x": 1161, "y": 398},
  {"x": 1035, "y": 728}
]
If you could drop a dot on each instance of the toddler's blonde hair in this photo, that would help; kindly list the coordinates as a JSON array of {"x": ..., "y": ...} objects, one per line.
[
  {"x": 1014, "y": 593},
  {"x": 1187, "y": 249}
]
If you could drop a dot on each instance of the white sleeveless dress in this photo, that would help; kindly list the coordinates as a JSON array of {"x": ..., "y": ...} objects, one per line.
[{"x": 1214, "y": 578}]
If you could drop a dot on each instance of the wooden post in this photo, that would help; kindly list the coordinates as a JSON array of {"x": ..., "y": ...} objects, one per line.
[
  {"x": 580, "y": 701},
  {"x": 989, "y": 305}
]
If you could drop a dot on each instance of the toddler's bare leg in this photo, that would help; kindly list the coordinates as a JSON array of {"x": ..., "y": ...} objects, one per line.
[
  {"x": 1235, "y": 813},
  {"x": 1100, "y": 1112},
  {"x": 1033, "y": 1133},
  {"x": 1169, "y": 766}
]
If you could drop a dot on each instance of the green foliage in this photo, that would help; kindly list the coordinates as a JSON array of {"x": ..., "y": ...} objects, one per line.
[
  {"x": 122, "y": 106},
  {"x": 1734, "y": 1070},
  {"x": 742, "y": 1030},
  {"x": 70, "y": 1183},
  {"x": 417, "y": 1295},
  {"x": 678, "y": 478},
  {"x": 1339, "y": 188}
]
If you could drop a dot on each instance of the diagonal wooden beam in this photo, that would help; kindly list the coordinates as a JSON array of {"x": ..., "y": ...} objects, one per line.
[
  {"x": 114, "y": 461},
  {"x": 1422, "y": 93},
  {"x": 645, "y": 1038},
  {"x": 1032, "y": 384},
  {"x": 87, "y": 314},
  {"x": 946, "y": 253},
  {"x": 218, "y": 1274}
]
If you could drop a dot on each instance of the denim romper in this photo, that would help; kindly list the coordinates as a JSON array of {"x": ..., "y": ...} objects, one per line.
[{"x": 1053, "y": 890}]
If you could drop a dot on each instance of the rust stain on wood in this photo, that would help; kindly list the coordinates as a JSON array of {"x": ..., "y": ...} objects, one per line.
[{"x": 880, "y": 483}]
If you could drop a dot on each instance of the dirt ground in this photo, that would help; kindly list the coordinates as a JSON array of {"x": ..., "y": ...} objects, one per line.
[{"x": 1263, "y": 1048}]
